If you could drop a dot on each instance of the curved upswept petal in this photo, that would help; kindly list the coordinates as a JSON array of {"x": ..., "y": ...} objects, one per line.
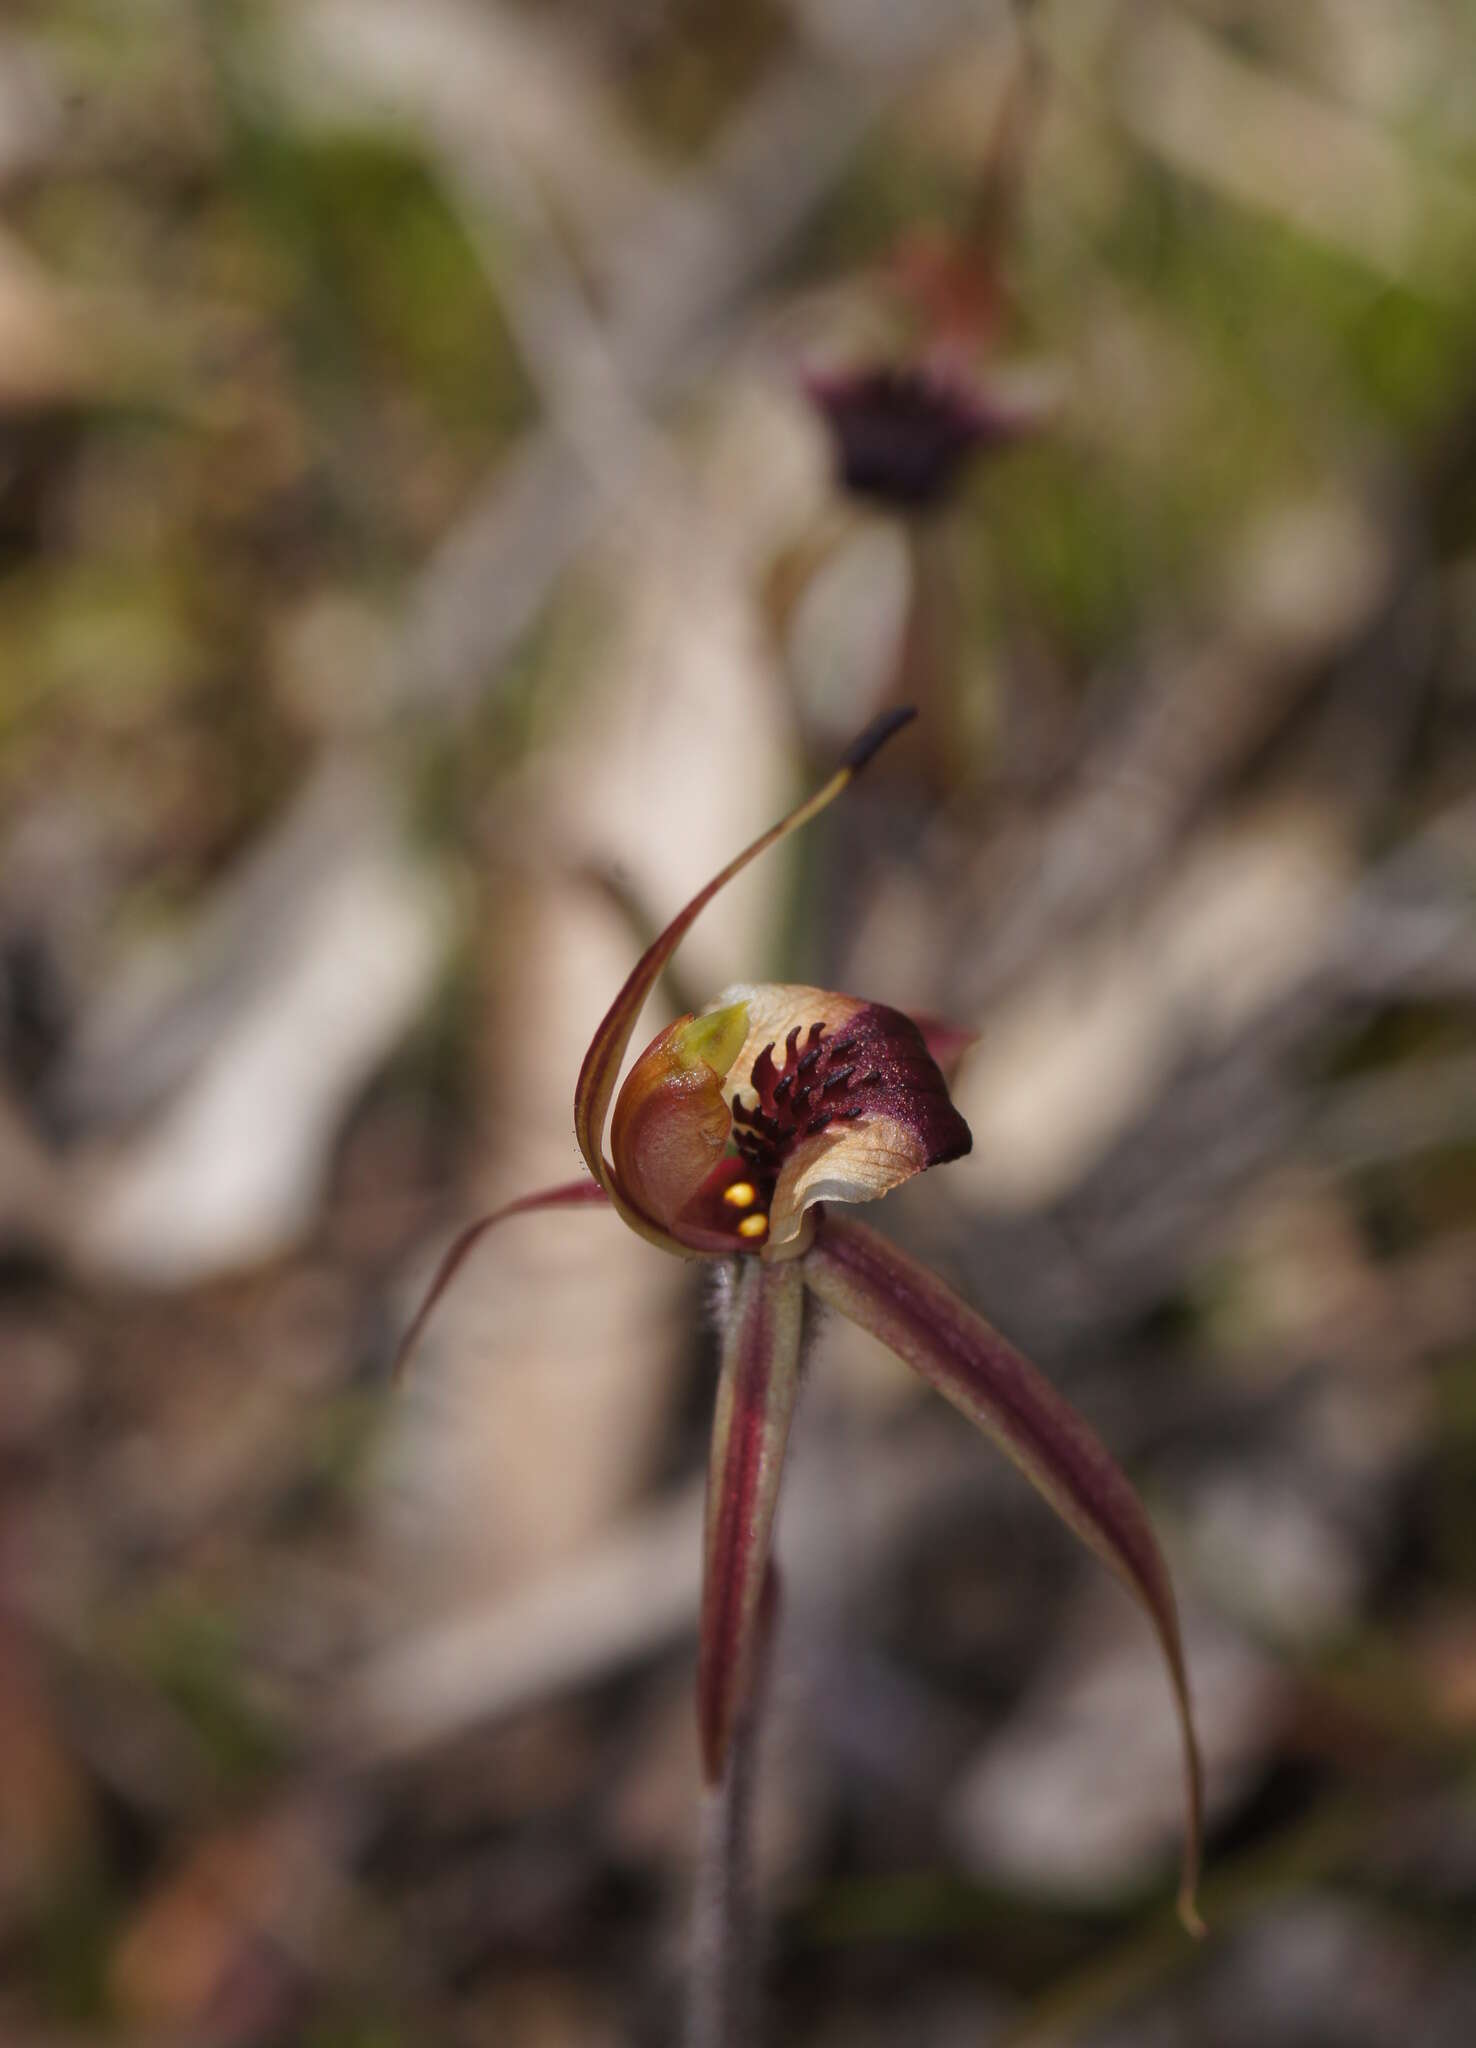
[
  {"x": 601, "y": 1068},
  {"x": 863, "y": 1276},
  {"x": 756, "y": 1395}
]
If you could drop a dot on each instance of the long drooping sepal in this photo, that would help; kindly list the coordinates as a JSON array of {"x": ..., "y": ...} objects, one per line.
[
  {"x": 601, "y": 1068},
  {"x": 756, "y": 1394},
  {"x": 570, "y": 1195},
  {"x": 924, "y": 1322}
]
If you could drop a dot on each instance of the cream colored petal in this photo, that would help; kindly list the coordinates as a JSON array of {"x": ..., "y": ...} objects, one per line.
[
  {"x": 774, "y": 1009},
  {"x": 848, "y": 1163}
]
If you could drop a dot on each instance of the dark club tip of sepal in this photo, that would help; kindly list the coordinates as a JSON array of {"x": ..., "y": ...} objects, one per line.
[{"x": 876, "y": 736}]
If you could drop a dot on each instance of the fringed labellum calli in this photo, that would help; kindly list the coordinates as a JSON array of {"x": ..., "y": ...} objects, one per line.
[{"x": 733, "y": 1133}]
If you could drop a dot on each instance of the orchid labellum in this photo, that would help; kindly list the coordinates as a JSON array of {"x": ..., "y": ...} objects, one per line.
[{"x": 741, "y": 1134}]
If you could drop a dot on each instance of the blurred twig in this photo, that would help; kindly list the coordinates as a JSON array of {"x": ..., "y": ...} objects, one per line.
[
  {"x": 670, "y": 284},
  {"x": 1264, "y": 141}
]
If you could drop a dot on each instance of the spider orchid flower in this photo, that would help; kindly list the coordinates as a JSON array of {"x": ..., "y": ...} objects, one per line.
[
  {"x": 902, "y": 436},
  {"x": 739, "y": 1135}
]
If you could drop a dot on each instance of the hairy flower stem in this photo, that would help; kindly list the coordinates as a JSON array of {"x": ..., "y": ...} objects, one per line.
[
  {"x": 758, "y": 1383},
  {"x": 762, "y": 1316},
  {"x": 723, "y": 1980}
]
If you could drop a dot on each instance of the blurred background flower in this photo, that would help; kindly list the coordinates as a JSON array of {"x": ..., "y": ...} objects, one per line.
[{"x": 408, "y": 493}]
